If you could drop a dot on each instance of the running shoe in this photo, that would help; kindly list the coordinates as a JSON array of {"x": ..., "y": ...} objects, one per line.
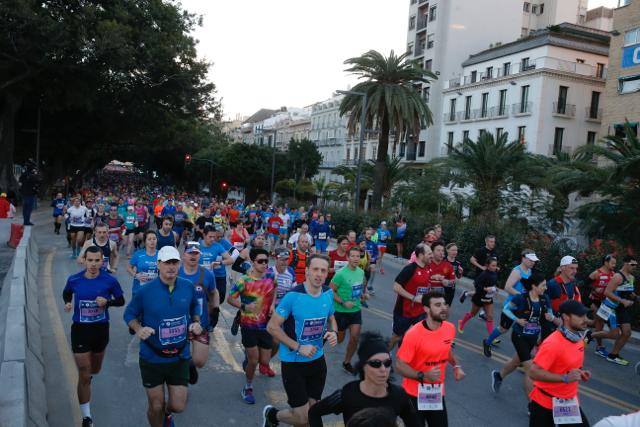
[
  {"x": 267, "y": 371},
  {"x": 496, "y": 381},
  {"x": 602, "y": 352},
  {"x": 347, "y": 367},
  {"x": 87, "y": 422},
  {"x": 269, "y": 416},
  {"x": 460, "y": 328},
  {"x": 486, "y": 348},
  {"x": 168, "y": 421},
  {"x": 371, "y": 291},
  {"x": 193, "y": 374},
  {"x": 496, "y": 341},
  {"x": 619, "y": 360},
  {"x": 463, "y": 297},
  {"x": 247, "y": 395},
  {"x": 482, "y": 315}
]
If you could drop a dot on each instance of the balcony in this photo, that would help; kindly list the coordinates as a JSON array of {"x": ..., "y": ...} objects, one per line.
[
  {"x": 551, "y": 150},
  {"x": 465, "y": 116},
  {"x": 593, "y": 114},
  {"x": 422, "y": 24},
  {"x": 419, "y": 51},
  {"x": 454, "y": 83},
  {"x": 522, "y": 108},
  {"x": 451, "y": 117},
  {"x": 498, "y": 112},
  {"x": 562, "y": 109}
]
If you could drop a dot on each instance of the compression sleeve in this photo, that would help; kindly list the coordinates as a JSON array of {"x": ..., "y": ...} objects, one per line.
[
  {"x": 116, "y": 302},
  {"x": 329, "y": 405},
  {"x": 67, "y": 296},
  {"x": 507, "y": 310},
  {"x": 237, "y": 265}
]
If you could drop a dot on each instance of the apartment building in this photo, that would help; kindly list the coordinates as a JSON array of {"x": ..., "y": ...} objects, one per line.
[
  {"x": 544, "y": 91},
  {"x": 622, "y": 92},
  {"x": 329, "y": 133}
]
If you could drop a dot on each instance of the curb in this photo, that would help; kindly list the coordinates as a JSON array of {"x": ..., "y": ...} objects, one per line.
[{"x": 23, "y": 401}]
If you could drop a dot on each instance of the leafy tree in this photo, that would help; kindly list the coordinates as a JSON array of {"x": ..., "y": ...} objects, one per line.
[
  {"x": 304, "y": 158},
  {"x": 393, "y": 103}
]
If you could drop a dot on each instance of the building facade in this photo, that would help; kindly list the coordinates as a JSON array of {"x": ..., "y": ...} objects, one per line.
[
  {"x": 622, "y": 92},
  {"x": 544, "y": 91},
  {"x": 329, "y": 133}
]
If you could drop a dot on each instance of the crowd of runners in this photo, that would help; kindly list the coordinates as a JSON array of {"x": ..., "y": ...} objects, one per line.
[{"x": 294, "y": 293}]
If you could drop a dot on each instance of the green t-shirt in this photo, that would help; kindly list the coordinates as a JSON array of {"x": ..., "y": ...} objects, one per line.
[{"x": 349, "y": 287}]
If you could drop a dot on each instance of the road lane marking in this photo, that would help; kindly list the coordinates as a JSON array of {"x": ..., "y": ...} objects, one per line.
[
  {"x": 223, "y": 347},
  {"x": 66, "y": 358}
]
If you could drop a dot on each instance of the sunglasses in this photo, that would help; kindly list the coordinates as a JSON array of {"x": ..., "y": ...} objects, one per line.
[
  {"x": 375, "y": 363},
  {"x": 262, "y": 261},
  {"x": 633, "y": 264}
]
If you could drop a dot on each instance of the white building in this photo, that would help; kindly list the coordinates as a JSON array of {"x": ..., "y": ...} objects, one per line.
[
  {"x": 544, "y": 90},
  {"x": 329, "y": 132},
  {"x": 444, "y": 33}
]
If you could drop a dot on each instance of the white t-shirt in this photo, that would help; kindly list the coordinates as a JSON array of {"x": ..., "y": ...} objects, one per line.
[
  {"x": 285, "y": 220},
  {"x": 631, "y": 420},
  {"x": 76, "y": 216},
  {"x": 293, "y": 240}
]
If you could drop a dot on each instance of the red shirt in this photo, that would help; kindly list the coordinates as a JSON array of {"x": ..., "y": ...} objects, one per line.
[
  {"x": 556, "y": 302},
  {"x": 233, "y": 215},
  {"x": 557, "y": 355},
  {"x": 274, "y": 224},
  {"x": 444, "y": 268},
  {"x": 238, "y": 239},
  {"x": 415, "y": 280},
  {"x": 5, "y": 206},
  {"x": 423, "y": 350},
  {"x": 342, "y": 261},
  {"x": 600, "y": 284}
]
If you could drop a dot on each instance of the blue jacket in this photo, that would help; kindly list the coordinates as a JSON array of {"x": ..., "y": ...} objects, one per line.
[
  {"x": 372, "y": 250},
  {"x": 168, "y": 314},
  {"x": 318, "y": 228}
]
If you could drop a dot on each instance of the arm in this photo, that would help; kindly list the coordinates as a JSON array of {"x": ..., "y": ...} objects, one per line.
[
  {"x": 508, "y": 311},
  {"x": 331, "y": 404},
  {"x": 131, "y": 270},
  {"x": 405, "y": 370},
  {"x": 594, "y": 275},
  {"x": 227, "y": 259},
  {"x": 613, "y": 284},
  {"x": 513, "y": 278},
  {"x": 473, "y": 260},
  {"x": 80, "y": 259},
  {"x": 536, "y": 373},
  {"x": 398, "y": 289},
  {"x": 113, "y": 260},
  {"x": 274, "y": 327}
]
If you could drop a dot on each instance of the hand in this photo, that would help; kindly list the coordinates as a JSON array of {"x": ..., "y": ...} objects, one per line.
[
  {"x": 195, "y": 328},
  {"x": 521, "y": 322},
  {"x": 417, "y": 298},
  {"x": 347, "y": 304},
  {"x": 458, "y": 374},
  {"x": 250, "y": 307},
  {"x": 364, "y": 297},
  {"x": 68, "y": 306},
  {"x": 141, "y": 277},
  {"x": 627, "y": 303},
  {"x": 101, "y": 301},
  {"x": 490, "y": 290},
  {"x": 574, "y": 375},
  {"x": 585, "y": 375},
  {"x": 331, "y": 337},
  {"x": 145, "y": 332},
  {"x": 434, "y": 374},
  {"x": 549, "y": 317},
  {"x": 307, "y": 350}
]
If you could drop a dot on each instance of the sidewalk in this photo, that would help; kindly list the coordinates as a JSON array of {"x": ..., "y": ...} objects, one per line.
[{"x": 6, "y": 253}]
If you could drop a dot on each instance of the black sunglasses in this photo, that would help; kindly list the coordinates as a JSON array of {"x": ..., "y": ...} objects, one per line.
[
  {"x": 262, "y": 261},
  {"x": 375, "y": 363}
]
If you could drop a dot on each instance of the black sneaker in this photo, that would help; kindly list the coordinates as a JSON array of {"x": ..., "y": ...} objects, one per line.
[
  {"x": 347, "y": 367},
  {"x": 269, "y": 416},
  {"x": 87, "y": 422},
  {"x": 486, "y": 348},
  {"x": 496, "y": 381},
  {"x": 193, "y": 374},
  {"x": 463, "y": 297}
]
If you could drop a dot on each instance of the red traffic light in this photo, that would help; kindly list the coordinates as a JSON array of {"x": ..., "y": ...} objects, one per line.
[
  {"x": 187, "y": 159},
  {"x": 224, "y": 184}
]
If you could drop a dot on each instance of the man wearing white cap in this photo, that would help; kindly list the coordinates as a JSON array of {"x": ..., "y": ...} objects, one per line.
[
  {"x": 513, "y": 287},
  {"x": 561, "y": 288},
  {"x": 162, "y": 314},
  {"x": 384, "y": 235}
]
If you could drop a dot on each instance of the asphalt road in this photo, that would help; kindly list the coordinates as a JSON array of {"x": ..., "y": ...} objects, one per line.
[{"x": 119, "y": 398}]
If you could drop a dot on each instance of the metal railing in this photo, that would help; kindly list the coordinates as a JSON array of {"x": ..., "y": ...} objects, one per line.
[
  {"x": 564, "y": 109},
  {"x": 522, "y": 108},
  {"x": 551, "y": 150},
  {"x": 592, "y": 113},
  {"x": 451, "y": 117},
  {"x": 454, "y": 82},
  {"x": 499, "y": 111},
  {"x": 422, "y": 23}
]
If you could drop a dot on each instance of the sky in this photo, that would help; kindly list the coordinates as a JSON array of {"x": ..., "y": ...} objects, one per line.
[{"x": 274, "y": 53}]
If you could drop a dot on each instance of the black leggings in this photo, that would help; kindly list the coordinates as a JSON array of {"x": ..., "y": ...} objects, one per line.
[
  {"x": 449, "y": 294},
  {"x": 432, "y": 418},
  {"x": 221, "y": 285},
  {"x": 543, "y": 417}
]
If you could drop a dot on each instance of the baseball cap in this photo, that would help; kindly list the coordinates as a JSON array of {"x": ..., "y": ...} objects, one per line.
[
  {"x": 192, "y": 247},
  {"x": 168, "y": 253},
  {"x": 568, "y": 260},
  {"x": 282, "y": 253},
  {"x": 573, "y": 307},
  {"x": 383, "y": 223}
]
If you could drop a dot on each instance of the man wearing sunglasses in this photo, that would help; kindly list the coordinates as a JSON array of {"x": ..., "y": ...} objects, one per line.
[
  {"x": 253, "y": 294},
  {"x": 372, "y": 390}
]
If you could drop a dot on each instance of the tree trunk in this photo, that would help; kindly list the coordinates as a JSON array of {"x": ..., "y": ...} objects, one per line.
[
  {"x": 379, "y": 171},
  {"x": 10, "y": 105}
]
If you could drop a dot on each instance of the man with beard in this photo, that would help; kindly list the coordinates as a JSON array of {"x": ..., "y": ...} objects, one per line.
[{"x": 422, "y": 360}]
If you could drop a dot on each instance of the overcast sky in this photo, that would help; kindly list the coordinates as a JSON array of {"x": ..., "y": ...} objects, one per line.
[{"x": 273, "y": 53}]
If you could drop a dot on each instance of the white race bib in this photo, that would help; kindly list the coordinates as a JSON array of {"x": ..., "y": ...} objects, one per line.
[
  {"x": 566, "y": 411},
  {"x": 430, "y": 397},
  {"x": 604, "y": 312},
  {"x": 338, "y": 265},
  {"x": 322, "y": 236}
]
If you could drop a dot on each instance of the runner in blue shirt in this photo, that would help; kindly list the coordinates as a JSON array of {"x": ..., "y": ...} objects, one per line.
[
  {"x": 89, "y": 294},
  {"x": 143, "y": 265},
  {"x": 208, "y": 302},
  {"x": 384, "y": 236},
  {"x": 168, "y": 311},
  {"x": 302, "y": 320},
  {"x": 321, "y": 233},
  {"x": 215, "y": 257},
  {"x": 58, "y": 205}
]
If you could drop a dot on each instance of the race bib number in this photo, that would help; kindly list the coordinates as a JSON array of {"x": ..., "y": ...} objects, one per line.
[
  {"x": 531, "y": 328},
  {"x": 312, "y": 329},
  {"x": 172, "y": 331},
  {"x": 421, "y": 290},
  {"x": 322, "y": 236},
  {"x": 338, "y": 265},
  {"x": 131, "y": 220},
  {"x": 491, "y": 292},
  {"x": 91, "y": 312},
  {"x": 430, "y": 397},
  {"x": 77, "y": 220},
  {"x": 604, "y": 312},
  {"x": 239, "y": 245},
  {"x": 356, "y": 291},
  {"x": 114, "y": 237},
  {"x": 148, "y": 276},
  {"x": 566, "y": 411}
]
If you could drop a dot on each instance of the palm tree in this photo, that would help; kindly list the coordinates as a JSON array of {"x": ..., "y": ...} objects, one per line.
[
  {"x": 324, "y": 190},
  {"x": 490, "y": 165},
  {"x": 394, "y": 172},
  {"x": 393, "y": 103},
  {"x": 344, "y": 191}
]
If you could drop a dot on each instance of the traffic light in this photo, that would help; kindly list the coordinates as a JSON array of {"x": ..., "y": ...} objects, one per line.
[
  {"x": 187, "y": 159},
  {"x": 224, "y": 185}
]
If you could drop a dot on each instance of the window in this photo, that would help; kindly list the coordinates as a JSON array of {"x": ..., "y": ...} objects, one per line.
[
  {"x": 541, "y": 8},
  {"x": 474, "y": 76},
  {"x": 619, "y": 129},
  {"x": 502, "y": 103},
  {"x": 428, "y": 64},
  {"x": 506, "y": 68},
  {"x": 489, "y": 73},
  {"x": 591, "y": 138},
  {"x": 465, "y": 135},
  {"x": 403, "y": 149},
  {"x": 629, "y": 84},
  {"x": 432, "y": 13},
  {"x": 557, "y": 140},
  {"x": 499, "y": 133},
  {"x": 481, "y": 132},
  {"x": 430, "y": 38},
  {"x": 525, "y": 64},
  {"x": 485, "y": 105},
  {"x": 562, "y": 100},
  {"x": 414, "y": 1},
  {"x": 410, "y": 48},
  {"x": 521, "y": 134},
  {"x": 412, "y": 22},
  {"x": 449, "y": 142},
  {"x": 421, "y": 148},
  {"x": 467, "y": 108},
  {"x": 526, "y": 6},
  {"x": 374, "y": 152},
  {"x": 632, "y": 37},
  {"x": 595, "y": 105},
  {"x": 452, "y": 109},
  {"x": 600, "y": 67},
  {"x": 524, "y": 99},
  {"x": 426, "y": 93},
  {"x": 534, "y": 9}
]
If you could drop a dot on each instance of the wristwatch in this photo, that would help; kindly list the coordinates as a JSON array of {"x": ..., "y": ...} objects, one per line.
[{"x": 420, "y": 376}]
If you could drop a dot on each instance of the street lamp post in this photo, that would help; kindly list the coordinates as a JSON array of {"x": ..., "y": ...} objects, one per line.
[
  {"x": 211, "y": 165},
  {"x": 361, "y": 144}
]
